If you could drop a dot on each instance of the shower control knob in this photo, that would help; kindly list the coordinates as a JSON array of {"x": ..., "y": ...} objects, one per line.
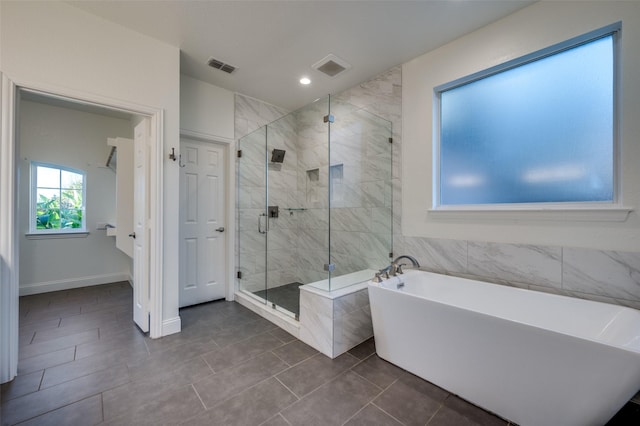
[{"x": 221, "y": 229}]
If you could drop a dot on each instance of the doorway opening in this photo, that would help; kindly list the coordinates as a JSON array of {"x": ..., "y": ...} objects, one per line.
[{"x": 148, "y": 290}]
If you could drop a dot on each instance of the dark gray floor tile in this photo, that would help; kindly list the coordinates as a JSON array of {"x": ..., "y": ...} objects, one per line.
[
  {"x": 378, "y": 371},
  {"x": 168, "y": 408},
  {"x": 294, "y": 352},
  {"x": 333, "y": 403},
  {"x": 314, "y": 372},
  {"x": 58, "y": 343},
  {"x": 283, "y": 335},
  {"x": 21, "y": 385},
  {"x": 146, "y": 389},
  {"x": 94, "y": 317},
  {"x": 251, "y": 407},
  {"x": 276, "y": 420},
  {"x": 372, "y": 416},
  {"x": 129, "y": 338},
  {"x": 186, "y": 336},
  {"x": 91, "y": 364},
  {"x": 126, "y": 399},
  {"x": 110, "y": 330},
  {"x": 237, "y": 317},
  {"x": 223, "y": 385},
  {"x": 210, "y": 312},
  {"x": 411, "y": 400},
  {"x": 49, "y": 314},
  {"x": 242, "y": 351},
  {"x": 37, "y": 403},
  {"x": 73, "y": 301},
  {"x": 364, "y": 349},
  {"x": 39, "y": 325},
  {"x": 40, "y": 362},
  {"x": 86, "y": 412},
  {"x": 457, "y": 411},
  {"x": 25, "y": 337},
  {"x": 170, "y": 359},
  {"x": 115, "y": 304},
  {"x": 230, "y": 335},
  {"x": 54, "y": 333}
]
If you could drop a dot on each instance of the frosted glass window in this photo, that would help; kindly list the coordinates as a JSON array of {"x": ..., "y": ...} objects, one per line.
[{"x": 542, "y": 131}]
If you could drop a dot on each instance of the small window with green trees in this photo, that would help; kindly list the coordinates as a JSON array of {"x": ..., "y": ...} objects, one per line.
[{"x": 57, "y": 199}]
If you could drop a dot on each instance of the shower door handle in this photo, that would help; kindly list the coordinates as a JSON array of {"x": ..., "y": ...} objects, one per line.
[{"x": 260, "y": 216}]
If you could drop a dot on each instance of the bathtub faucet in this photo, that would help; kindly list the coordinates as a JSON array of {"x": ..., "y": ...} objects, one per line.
[
  {"x": 397, "y": 267},
  {"x": 385, "y": 273}
]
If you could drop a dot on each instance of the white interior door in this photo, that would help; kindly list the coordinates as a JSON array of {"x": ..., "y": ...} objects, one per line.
[
  {"x": 202, "y": 222},
  {"x": 140, "y": 232}
]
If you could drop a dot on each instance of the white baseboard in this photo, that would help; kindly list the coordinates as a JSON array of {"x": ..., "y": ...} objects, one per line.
[
  {"x": 171, "y": 326},
  {"x": 48, "y": 286}
]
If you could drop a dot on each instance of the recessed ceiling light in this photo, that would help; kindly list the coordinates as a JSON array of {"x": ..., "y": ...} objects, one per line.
[{"x": 305, "y": 81}]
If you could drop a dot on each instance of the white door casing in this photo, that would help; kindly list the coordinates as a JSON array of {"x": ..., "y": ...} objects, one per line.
[
  {"x": 140, "y": 232},
  {"x": 8, "y": 233},
  {"x": 202, "y": 222}
]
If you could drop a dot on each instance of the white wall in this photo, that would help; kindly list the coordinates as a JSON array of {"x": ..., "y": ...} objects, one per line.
[
  {"x": 56, "y": 45},
  {"x": 533, "y": 28},
  {"x": 206, "y": 109},
  {"x": 75, "y": 139}
]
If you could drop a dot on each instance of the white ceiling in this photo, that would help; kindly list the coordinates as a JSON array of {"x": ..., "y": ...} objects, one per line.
[{"x": 274, "y": 43}]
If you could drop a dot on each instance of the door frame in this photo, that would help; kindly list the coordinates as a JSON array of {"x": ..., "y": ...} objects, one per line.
[
  {"x": 9, "y": 249},
  {"x": 230, "y": 202}
]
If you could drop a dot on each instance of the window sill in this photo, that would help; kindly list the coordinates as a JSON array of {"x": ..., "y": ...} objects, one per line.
[
  {"x": 565, "y": 214},
  {"x": 47, "y": 236}
]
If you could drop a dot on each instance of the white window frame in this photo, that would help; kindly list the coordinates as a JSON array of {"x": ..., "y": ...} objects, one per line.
[
  {"x": 54, "y": 233},
  {"x": 599, "y": 211}
]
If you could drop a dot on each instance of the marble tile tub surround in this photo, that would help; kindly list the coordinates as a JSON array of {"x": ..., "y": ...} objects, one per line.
[
  {"x": 605, "y": 276},
  {"x": 334, "y": 325}
]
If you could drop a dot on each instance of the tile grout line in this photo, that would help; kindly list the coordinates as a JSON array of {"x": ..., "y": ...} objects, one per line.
[
  {"x": 41, "y": 380},
  {"x": 434, "y": 414},
  {"x": 199, "y": 397},
  {"x": 387, "y": 413},
  {"x": 369, "y": 381},
  {"x": 102, "y": 405},
  {"x": 287, "y": 388}
]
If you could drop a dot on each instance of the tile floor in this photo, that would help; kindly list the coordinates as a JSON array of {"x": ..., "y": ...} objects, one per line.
[
  {"x": 83, "y": 362},
  {"x": 286, "y": 296}
]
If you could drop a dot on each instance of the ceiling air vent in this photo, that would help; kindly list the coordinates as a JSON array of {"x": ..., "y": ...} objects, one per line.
[
  {"x": 219, "y": 65},
  {"x": 331, "y": 65}
]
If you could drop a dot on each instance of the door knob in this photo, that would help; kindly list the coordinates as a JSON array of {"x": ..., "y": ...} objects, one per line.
[
  {"x": 132, "y": 235},
  {"x": 221, "y": 229}
]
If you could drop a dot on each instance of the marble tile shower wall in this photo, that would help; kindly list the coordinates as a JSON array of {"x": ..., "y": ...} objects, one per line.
[{"x": 606, "y": 276}]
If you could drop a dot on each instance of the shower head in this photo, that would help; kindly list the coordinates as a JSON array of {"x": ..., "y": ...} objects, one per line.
[{"x": 277, "y": 155}]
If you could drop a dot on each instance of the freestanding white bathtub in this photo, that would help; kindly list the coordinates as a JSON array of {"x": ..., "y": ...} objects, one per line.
[{"x": 532, "y": 358}]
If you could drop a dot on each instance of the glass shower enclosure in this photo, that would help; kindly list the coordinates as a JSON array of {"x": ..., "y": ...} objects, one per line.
[{"x": 314, "y": 202}]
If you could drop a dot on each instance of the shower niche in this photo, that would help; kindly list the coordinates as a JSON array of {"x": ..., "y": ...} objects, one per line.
[{"x": 327, "y": 169}]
